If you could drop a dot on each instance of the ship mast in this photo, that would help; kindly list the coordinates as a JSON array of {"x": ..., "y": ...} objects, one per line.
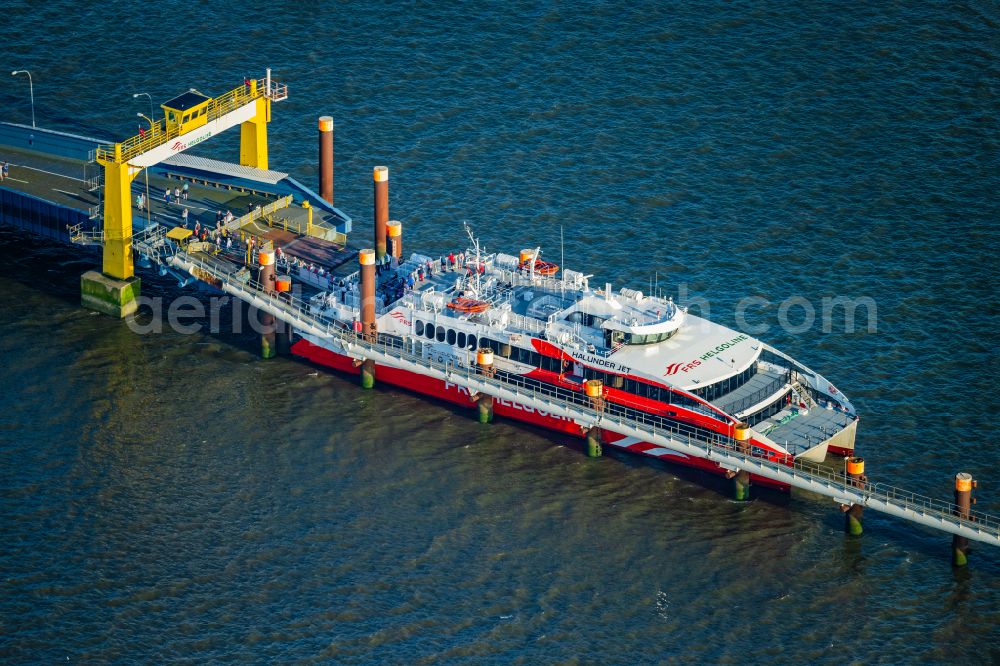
[{"x": 475, "y": 245}]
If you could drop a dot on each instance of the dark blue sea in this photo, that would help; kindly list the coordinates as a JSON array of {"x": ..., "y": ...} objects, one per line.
[{"x": 174, "y": 498}]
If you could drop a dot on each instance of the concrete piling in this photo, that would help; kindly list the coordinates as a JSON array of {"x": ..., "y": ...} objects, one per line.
[
  {"x": 854, "y": 513},
  {"x": 594, "y": 449},
  {"x": 381, "y": 210},
  {"x": 484, "y": 406},
  {"x": 265, "y": 276},
  {"x": 484, "y": 403},
  {"x": 326, "y": 158},
  {"x": 594, "y": 390},
  {"x": 741, "y": 478},
  {"x": 283, "y": 333},
  {"x": 963, "y": 505}
]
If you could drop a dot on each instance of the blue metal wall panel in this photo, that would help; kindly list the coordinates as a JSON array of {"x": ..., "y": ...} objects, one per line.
[
  {"x": 37, "y": 215},
  {"x": 48, "y": 141}
]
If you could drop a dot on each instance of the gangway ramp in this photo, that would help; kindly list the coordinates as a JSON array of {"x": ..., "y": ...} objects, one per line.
[{"x": 801, "y": 474}]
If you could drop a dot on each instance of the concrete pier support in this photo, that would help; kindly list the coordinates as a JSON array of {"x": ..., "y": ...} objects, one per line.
[
  {"x": 741, "y": 478},
  {"x": 265, "y": 276},
  {"x": 484, "y": 405},
  {"x": 326, "y": 158},
  {"x": 852, "y": 519},
  {"x": 381, "y": 210},
  {"x": 741, "y": 486},
  {"x": 963, "y": 505},
  {"x": 368, "y": 374},
  {"x": 854, "y": 513},
  {"x": 108, "y": 295},
  {"x": 594, "y": 449},
  {"x": 283, "y": 332},
  {"x": 594, "y": 390}
]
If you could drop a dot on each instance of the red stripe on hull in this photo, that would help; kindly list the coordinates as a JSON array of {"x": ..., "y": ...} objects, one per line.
[{"x": 439, "y": 389}]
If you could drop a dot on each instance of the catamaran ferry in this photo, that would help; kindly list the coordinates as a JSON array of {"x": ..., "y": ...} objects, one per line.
[{"x": 551, "y": 329}]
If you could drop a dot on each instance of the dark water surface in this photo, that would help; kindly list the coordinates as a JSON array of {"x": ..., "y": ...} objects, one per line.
[{"x": 173, "y": 497}]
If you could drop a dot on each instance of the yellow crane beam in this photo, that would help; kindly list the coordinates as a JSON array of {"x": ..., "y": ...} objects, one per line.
[{"x": 188, "y": 120}]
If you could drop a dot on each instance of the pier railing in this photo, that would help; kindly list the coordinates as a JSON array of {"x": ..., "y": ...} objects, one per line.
[
  {"x": 580, "y": 409},
  {"x": 160, "y": 133}
]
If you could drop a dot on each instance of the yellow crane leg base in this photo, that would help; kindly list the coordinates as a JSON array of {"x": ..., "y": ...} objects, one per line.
[{"x": 109, "y": 296}]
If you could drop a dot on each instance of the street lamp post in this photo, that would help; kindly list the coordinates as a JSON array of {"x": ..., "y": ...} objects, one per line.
[
  {"x": 31, "y": 89},
  {"x": 145, "y": 170},
  {"x": 147, "y": 95}
]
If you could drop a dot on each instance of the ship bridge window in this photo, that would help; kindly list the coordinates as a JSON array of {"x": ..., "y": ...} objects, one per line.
[
  {"x": 728, "y": 385},
  {"x": 419, "y": 327},
  {"x": 429, "y": 331},
  {"x": 451, "y": 337},
  {"x": 636, "y": 339}
]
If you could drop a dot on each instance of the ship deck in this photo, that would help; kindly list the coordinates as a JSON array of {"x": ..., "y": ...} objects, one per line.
[{"x": 799, "y": 431}]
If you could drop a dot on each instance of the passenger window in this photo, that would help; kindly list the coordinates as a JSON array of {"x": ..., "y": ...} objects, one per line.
[
  {"x": 430, "y": 331},
  {"x": 440, "y": 334},
  {"x": 451, "y": 337},
  {"x": 461, "y": 340},
  {"x": 472, "y": 342},
  {"x": 419, "y": 327}
]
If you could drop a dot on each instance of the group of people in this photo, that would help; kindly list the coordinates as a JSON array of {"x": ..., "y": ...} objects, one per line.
[
  {"x": 175, "y": 195},
  {"x": 444, "y": 264}
]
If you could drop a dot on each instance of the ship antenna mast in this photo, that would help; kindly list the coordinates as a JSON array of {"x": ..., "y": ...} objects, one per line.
[
  {"x": 475, "y": 246},
  {"x": 562, "y": 259}
]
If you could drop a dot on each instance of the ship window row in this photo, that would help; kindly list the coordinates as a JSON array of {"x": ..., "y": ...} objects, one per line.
[
  {"x": 651, "y": 338},
  {"x": 442, "y": 334},
  {"x": 611, "y": 408},
  {"x": 551, "y": 364},
  {"x": 522, "y": 355},
  {"x": 727, "y": 385},
  {"x": 769, "y": 411}
]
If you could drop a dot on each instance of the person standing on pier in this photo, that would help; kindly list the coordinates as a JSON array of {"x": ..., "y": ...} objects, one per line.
[
  {"x": 185, "y": 191},
  {"x": 4, "y": 171}
]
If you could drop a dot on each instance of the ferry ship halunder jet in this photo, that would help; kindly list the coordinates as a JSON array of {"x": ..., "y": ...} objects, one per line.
[{"x": 550, "y": 329}]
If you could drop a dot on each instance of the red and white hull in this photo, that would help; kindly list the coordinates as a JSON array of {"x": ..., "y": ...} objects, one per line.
[{"x": 459, "y": 395}]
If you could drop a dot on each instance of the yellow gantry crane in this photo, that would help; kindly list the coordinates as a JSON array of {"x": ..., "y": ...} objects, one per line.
[{"x": 188, "y": 120}]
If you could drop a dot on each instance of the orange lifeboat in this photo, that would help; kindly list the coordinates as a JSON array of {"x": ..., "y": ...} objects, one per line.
[
  {"x": 468, "y": 305},
  {"x": 541, "y": 267}
]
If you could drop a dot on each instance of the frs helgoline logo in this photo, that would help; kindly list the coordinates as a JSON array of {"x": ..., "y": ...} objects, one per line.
[
  {"x": 398, "y": 316},
  {"x": 673, "y": 368}
]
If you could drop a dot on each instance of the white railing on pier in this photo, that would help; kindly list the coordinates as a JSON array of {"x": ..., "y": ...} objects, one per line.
[{"x": 577, "y": 407}]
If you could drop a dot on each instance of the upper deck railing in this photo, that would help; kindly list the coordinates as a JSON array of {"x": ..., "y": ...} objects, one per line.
[{"x": 160, "y": 133}]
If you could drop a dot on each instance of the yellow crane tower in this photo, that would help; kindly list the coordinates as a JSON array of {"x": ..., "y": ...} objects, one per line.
[{"x": 189, "y": 119}]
